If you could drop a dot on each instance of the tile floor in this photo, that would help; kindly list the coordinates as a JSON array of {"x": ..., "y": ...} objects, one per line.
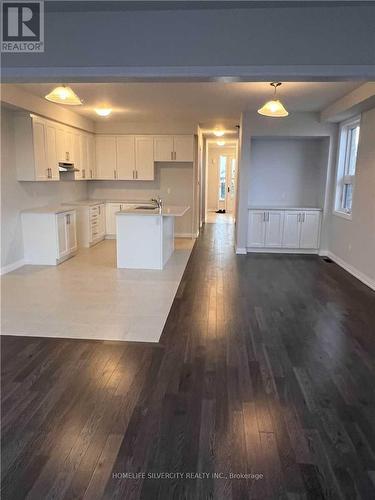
[{"x": 88, "y": 297}]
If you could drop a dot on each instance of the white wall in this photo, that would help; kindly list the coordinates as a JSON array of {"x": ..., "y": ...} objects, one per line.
[
  {"x": 287, "y": 172},
  {"x": 173, "y": 183},
  {"x": 353, "y": 241},
  {"x": 17, "y": 196}
]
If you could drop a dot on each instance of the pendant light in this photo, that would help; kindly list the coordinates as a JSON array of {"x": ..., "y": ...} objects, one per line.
[
  {"x": 64, "y": 95},
  {"x": 273, "y": 108}
]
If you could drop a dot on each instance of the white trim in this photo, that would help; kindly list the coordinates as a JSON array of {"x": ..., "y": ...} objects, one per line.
[
  {"x": 284, "y": 250},
  {"x": 12, "y": 267},
  {"x": 241, "y": 251},
  {"x": 185, "y": 235},
  {"x": 350, "y": 269},
  {"x": 343, "y": 215}
]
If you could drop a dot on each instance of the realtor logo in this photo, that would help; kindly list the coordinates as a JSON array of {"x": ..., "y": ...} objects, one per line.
[{"x": 22, "y": 26}]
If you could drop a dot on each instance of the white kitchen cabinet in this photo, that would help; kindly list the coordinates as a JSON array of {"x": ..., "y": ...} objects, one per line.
[
  {"x": 296, "y": 229},
  {"x": 144, "y": 158},
  {"x": 292, "y": 228},
  {"x": 183, "y": 148},
  {"x": 105, "y": 153},
  {"x": 310, "y": 229},
  {"x": 35, "y": 152},
  {"x": 163, "y": 148},
  {"x": 91, "y": 163},
  {"x": 265, "y": 228},
  {"x": 111, "y": 209},
  {"x": 177, "y": 148},
  {"x": 91, "y": 223},
  {"x": 125, "y": 154},
  {"x": 49, "y": 235},
  {"x": 256, "y": 231}
]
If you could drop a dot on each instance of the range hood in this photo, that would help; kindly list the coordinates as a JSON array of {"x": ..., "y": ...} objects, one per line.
[{"x": 67, "y": 167}]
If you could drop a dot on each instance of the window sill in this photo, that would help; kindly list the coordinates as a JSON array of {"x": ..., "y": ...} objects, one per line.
[{"x": 343, "y": 215}]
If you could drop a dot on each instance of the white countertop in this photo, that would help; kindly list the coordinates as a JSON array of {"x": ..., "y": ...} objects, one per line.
[
  {"x": 50, "y": 209},
  {"x": 167, "y": 210},
  {"x": 85, "y": 203},
  {"x": 265, "y": 207}
]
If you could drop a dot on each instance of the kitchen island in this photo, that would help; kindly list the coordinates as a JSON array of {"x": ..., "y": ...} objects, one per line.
[{"x": 145, "y": 235}]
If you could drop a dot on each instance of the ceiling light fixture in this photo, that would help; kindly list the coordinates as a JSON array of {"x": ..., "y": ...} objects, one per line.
[
  {"x": 220, "y": 143},
  {"x": 273, "y": 108},
  {"x": 103, "y": 111},
  {"x": 219, "y": 133},
  {"x": 64, "y": 95}
]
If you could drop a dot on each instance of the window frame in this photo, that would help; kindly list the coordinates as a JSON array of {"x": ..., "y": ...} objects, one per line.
[{"x": 343, "y": 178}]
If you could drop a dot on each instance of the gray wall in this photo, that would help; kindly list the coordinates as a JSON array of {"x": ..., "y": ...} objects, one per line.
[
  {"x": 174, "y": 183},
  {"x": 353, "y": 241},
  {"x": 287, "y": 172},
  {"x": 17, "y": 196},
  {"x": 309, "y": 40}
]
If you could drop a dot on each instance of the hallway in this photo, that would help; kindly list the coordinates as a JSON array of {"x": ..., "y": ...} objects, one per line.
[{"x": 265, "y": 367}]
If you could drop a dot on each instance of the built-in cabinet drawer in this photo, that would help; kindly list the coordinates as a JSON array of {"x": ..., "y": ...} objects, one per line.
[{"x": 293, "y": 229}]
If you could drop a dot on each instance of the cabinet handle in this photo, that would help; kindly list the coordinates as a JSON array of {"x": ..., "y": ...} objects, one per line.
[
  {"x": 133, "y": 174},
  {"x": 268, "y": 216},
  {"x": 67, "y": 218},
  {"x": 264, "y": 216},
  {"x": 120, "y": 207},
  {"x": 299, "y": 217},
  {"x": 83, "y": 173},
  {"x": 114, "y": 174},
  {"x": 171, "y": 155},
  {"x": 175, "y": 155},
  {"x": 303, "y": 220},
  {"x": 136, "y": 174},
  {"x": 90, "y": 173},
  {"x": 99, "y": 209}
]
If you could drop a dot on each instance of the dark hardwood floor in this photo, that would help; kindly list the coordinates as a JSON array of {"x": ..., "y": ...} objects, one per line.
[{"x": 266, "y": 366}]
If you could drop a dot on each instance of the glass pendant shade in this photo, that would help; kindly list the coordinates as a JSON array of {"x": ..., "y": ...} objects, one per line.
[
  {"x": 274, "y": 109},
  {"x": 64, "y": 95}
]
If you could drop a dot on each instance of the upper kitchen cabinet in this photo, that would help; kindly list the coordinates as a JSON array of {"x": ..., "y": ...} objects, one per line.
[
  {"x": 105, "y": 151},
  {"x": 36, "y": 151},
  {"x": 125, "y": 155},
  {"x": 144, "y": 158},
  {"x": 177, "y": 148}
]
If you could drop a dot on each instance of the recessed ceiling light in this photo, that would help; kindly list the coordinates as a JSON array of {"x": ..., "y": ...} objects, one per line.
[
  {"x": 274, "y": 108},
  {"x": 220, "y": 143},
  {"x": 219, "y": 133},
  {"x": 103, "y": 111},
  {"x": 64, "y": 95}
]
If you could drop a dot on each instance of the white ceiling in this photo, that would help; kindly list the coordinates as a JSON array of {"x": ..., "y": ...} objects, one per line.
[{"x": 198, "y": 102}]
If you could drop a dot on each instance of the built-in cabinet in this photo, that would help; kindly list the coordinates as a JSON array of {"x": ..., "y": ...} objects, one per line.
[
  {"x": 284, "y": 229},
  {"x": 171, "y": 148},
  {"x": 49, "y": 236},
  {"x": 43, "y": 144},
  {"x": 91, "y": 223},
  {"x": 110, "y": 216}
]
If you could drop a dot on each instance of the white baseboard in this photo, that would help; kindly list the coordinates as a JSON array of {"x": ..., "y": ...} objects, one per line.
[
  {"x": 351, "y": 269},
  {"x": 185, "y": 235},
  {"x": 299, "y": 251},
  {"x": 241, "y": 251},
  {"x": 12, "y": 267}
]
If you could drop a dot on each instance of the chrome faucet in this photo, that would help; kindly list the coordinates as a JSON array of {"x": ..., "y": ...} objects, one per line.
[{"x": 158, "y": 201}]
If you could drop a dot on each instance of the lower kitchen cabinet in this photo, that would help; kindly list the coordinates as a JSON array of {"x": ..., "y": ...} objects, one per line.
[
  {"x": 295, "y": 229},
  {"x": 91, "y": 223},
  {"x": 110, "y": 217},
  {"x": 49, "y": 235}
]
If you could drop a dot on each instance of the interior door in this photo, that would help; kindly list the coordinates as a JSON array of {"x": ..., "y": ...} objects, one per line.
[
  {"x": 125, "y": 153},
  {"x": 105, "y": 149},
  {"x": 163, "y": 148},
  {"x": 256, "y": 228},
  {"x": 274, "y": 228},
  {"x": 231, "y": 176},
  {"x": 292, "y": 229},
  {"x": 183, "y": 146},
  {"x": 144, "y": 158},
  {"x": 310, "y": 225}
]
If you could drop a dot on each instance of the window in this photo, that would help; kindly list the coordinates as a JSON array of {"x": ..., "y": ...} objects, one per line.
[
  {"x": 222, "y": 177},
  {"x": 347, "y": 159}
]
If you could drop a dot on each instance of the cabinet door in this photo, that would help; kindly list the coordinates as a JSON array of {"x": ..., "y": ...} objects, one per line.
[
  {"x": 61, "y": 144},
  {"x": 310, "y": 226},
  {"x": 292, "y": 229},
  {"x": 101, "y": 220},
  {"x": 62, "y": 235},
  {"x": 183, "y": 147},
  {"x": 274, "y": 228},
  {"x": 144, "y": 158},
  {"x": 105, "y": 149},
  {"x": 256, "y": 228},
  {"x": 125, "y": 150},
  {"x": 51, "y": 153},
  {"x": 69, "y": 145},
  {"x": 71, "y": 231},
  {"x": 83, "y": 170},
  {"x": 111, "y": 210},
  {"x": 91, "y": 169},
  {"x": 163, "y": 148},
  {"x": 40, "y": 157}
]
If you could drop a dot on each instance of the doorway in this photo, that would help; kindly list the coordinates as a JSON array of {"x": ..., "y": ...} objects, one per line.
[{"x": 221, "y": 181}]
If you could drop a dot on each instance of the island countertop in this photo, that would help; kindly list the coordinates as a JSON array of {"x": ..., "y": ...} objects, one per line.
[{"x": 166, "y": 211}]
